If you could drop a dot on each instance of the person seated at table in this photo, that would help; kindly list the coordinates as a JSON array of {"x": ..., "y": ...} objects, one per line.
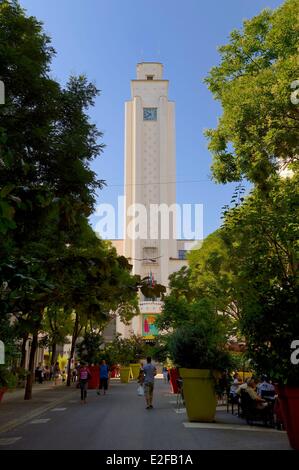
[
  {"x": 265, "y": 386},
  {"x": 250, "y": 389},
  {"x": 235, "y": 385},
  {"x": 243, "y": 386}
]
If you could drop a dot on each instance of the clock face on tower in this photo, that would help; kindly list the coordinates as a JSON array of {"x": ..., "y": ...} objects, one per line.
[{"x": 150, "y": 114}]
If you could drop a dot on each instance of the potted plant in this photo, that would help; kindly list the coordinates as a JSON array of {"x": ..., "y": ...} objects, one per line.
[
  {"x": 89, "y": 351},
  {"x": 7, "y": 380},
  {"x": 198, "y": 349},
  {"x": 261, "y": 236},
  {"x": 3, "y": 381},
  {"x": 270, "y": 332},
  {"x": 138, "y": 352},
  {"x": 20, "y": 374},
  {"x": 124, "y": 354},
  {"x": 109, "y": 354}
]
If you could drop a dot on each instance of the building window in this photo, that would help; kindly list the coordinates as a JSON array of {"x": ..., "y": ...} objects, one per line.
[
  {"x": 149, "y": 299},
  {"x": 150, "y": 77},
  {"x": 182, "y": 254}
]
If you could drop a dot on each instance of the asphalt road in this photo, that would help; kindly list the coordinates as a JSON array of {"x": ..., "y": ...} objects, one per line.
[{"x": 119, "y": 421}]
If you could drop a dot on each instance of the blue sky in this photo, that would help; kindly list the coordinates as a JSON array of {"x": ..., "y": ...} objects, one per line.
[{"x": 105, "y": 39}]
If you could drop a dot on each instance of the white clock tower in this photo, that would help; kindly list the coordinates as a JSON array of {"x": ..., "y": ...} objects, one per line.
[{"x": 149, "y": 237}]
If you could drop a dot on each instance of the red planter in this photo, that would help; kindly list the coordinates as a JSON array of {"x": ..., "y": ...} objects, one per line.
[
  {"x": 94, "y": 382},
  {"x": 289, "y": 400},
  {"x": 113, "y": 372},
  {"x": 174, "y": 375},
  {"x": 2, "y": 391}
]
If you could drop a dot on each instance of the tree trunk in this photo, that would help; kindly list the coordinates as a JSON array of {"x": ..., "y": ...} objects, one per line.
[
  {"x": 74, "y": 339},
  {"x": 53, "y": 357},
  {"x": 23, "y": 351},
  {"x": 30, "y": 376}
]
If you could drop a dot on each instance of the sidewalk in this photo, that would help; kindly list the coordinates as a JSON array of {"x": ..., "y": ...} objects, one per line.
[
  {"x": 19, "y": 392},
  {"x": 14, "y": 410}
]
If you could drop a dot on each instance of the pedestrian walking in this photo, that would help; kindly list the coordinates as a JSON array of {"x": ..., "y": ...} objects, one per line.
[
  {"x": 36, "y": 374},
  {"x": 140, "y": 380},
  {"x": 75, "y": 373},
  {"x": 84, "y": 376},
  {"x": 165, "y": 372},
  {"x": 104, "y": 375},
  {"x": 40, "y": 373},
  {"x": 149, "y": 371},
  {"x": 56, "y": 373},
  {"x": 47, "y": 373},
  {"x": 51, "y": 372}
]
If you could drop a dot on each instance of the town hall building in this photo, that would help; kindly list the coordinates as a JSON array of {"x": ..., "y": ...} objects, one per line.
[{"x": 150, "y": 192}]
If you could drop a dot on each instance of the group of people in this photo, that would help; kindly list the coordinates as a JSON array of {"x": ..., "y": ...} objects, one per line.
[
  {"x": 83, "y": 375},
  {"x": 263, "y": 393},
  {"x": 146, "y": 380},
  {"x": 47, "y": 373},
  {"x": 256, "y": 389}
]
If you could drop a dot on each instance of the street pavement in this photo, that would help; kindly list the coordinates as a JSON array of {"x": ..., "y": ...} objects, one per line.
[{"x": 55, "y": 419}]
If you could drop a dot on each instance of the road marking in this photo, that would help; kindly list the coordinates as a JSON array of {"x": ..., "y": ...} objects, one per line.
[
  {"x": 181, "y": 410},
  {"x": 229, "y": 427},
  {"x": 58, "y": 409},
  {"x": 40, "y": 421},
  {"x": 18, "y": 421},
  {"x": 7, "y": 441}
]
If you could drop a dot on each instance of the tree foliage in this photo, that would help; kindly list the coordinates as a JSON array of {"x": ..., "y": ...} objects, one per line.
[
  {"x": 50, "y": 259},
  {"x": 199, "y": 340},
  {"x": 262, "y": 238},
  {"x": 259, "y": 127}
]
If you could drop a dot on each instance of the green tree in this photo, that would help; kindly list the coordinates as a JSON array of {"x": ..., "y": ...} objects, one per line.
[
  {"x": 93, "y": 281},
  {"x": 139, "y": 348},
  {"x": 212, "y": 274},
  {"x": 199, "y": 340},
  {"x": 259, "y": 127},
  {"x": 89, "y": 349},
  {"x": 257, "y": 135},
  {"x": 262, "y": 238},
  {"x": 121, "y": 349},
  {"x": 46, "y": 184},
  {"x": 57, "y": 324}
]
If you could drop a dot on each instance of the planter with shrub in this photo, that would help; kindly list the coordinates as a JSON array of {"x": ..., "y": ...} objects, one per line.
[
  {"x": 198, "y": 349},
  {"x": 271, "y": 352},
  {"x": 7, "y": 380},
  {"x": 122, "y": 351},
  {"x": 138, "y": 351}
]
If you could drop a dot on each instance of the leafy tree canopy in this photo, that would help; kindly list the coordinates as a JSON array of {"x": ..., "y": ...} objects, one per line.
[
  {"x": 262, "y": 241},
  {"x": 259, "y": 127}
]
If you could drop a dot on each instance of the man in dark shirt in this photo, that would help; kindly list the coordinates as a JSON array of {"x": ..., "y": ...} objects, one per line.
[{"x": 104, "y": 376}]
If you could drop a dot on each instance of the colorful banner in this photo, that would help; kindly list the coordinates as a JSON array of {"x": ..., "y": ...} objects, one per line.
[{"x": 149, "y": 329}]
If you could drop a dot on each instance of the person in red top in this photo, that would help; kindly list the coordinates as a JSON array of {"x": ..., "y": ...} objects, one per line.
[{"x": 84, "y": 376}]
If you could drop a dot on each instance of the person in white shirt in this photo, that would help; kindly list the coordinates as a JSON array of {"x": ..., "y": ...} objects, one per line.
[{"x": 235, "y": 385}]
